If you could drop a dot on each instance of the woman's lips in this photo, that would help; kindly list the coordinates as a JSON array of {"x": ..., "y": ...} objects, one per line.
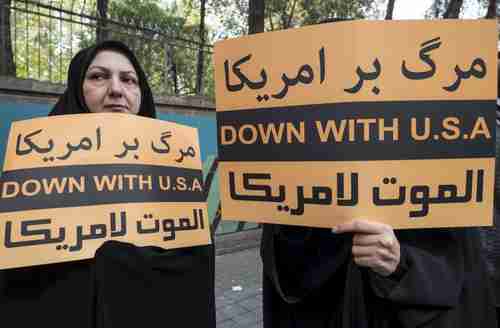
[{"x": 116, "y": 108}]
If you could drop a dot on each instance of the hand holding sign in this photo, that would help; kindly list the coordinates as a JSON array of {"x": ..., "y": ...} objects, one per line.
[{"x": 374, "y": 245}]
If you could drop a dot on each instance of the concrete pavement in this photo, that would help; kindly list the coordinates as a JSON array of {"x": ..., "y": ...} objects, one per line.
[{"x": 238, "y": 289}]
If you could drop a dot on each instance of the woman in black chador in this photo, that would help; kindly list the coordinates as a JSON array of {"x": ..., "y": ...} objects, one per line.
[
  {"x": 366, "y": 275},
  {"x": 123, "y": 285}
]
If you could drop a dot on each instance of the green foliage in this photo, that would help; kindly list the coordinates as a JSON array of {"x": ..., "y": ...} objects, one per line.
[
  {"x": 44, "y": 40},
  {"x": 484, "y": 4},
  {"x": 152, "y": 28},
  {"x": 438, "y": 8},
  {"x": 147, "y": 14},
  {"x": 232, "y": 16},
  {"x": 159, "y": 36},
  {"x": 314, "y": 11},
  {"x": 283, "y": 14},
  {"x": 286, "y": 14}
]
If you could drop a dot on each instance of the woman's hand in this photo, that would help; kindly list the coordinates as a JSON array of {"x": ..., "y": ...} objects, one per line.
[{"x": 374, "y": 245}]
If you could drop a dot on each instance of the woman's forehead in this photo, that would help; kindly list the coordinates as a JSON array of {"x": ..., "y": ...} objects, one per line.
[{"x": 112, "y": 60}]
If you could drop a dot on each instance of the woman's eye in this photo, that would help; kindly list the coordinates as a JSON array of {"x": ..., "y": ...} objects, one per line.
[
  {"x": 129, "y": 80},
  {"x": 97, "y": 77}
]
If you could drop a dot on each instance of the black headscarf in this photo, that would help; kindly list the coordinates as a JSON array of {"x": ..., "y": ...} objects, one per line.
[{"x": 72, "y": 101}]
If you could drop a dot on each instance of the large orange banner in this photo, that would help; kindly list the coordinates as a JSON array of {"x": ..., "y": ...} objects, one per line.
[
  {"x": 72, "y": 182},
  {"x": 391, "y": 121}
]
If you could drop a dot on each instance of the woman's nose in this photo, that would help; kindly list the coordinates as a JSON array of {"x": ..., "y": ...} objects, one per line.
[{"x": 115, "y": 87}]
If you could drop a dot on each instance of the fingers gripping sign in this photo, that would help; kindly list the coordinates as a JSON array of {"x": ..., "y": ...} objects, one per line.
[{"x": 374, "y": 245}]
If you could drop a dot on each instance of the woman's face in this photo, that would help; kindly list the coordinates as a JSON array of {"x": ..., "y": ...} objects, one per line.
[{"x": 111, "y": 84}]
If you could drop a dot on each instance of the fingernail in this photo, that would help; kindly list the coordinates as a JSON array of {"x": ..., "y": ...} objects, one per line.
[{"x": 387, "y": 241}]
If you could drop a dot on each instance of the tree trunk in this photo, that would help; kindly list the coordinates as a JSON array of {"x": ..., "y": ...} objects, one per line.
[
  {"x": 270, "y": 18},
  {"x": 210, "y": 177},
  {"x": 7, "y": 66},
  {"x": 390, "y": 9},
  {"x": 492, "y": 9},
  {"x": 199, "y": 71},
  {"x": 436, "y": 8},
  {"x": 290, "y": 17},
  {"x": 216, "y": 221},
  {"x": 170, "y": 68},
  {"x": 453, "y": 10},
  {"x": 174, "y": 78},
  {"x": 102, "y": 32},
  {"x": 256, "y": 16}
]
